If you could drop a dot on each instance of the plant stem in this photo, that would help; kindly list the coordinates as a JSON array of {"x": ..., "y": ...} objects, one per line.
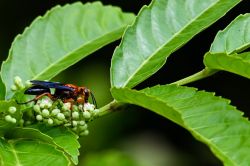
[
  {"x": 197, "y": 76},
  {"x": 115, "y": 106},
  {"x": 110, "y": 107}
]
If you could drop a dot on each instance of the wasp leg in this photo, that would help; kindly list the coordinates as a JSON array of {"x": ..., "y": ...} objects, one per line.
[{"x": 37, "y": 97}]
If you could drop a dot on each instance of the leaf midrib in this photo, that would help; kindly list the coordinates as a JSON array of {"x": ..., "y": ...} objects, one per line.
[
  {"x": 160, "y": 48},
  {"x": 75, "y": 50}
]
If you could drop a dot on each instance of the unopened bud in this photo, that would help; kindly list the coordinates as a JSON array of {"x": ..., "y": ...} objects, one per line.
[
  {"x": 84, "y": 133},
  {"x": 12, "y": 110},
  {"x": 84, "y": 127},
  {"x": 60, "y": 116},
  {"x": 74, "y": 123},
  {"x": 13, "y": 88},
  {"x": 50, "y": 121},
  {"x": 66, "y": 106},
  {"x": 82, "y": 123},
  {"x": 39, "y": 117},
  {"x": 55, "y": 111},
  {"x": 37, "y": 108},
  {"x": 88, "y": 107},
  {"x": 75, "y": 115},
  {"x": 45, "y": 112},
  {"x": 86, "y": 114}
]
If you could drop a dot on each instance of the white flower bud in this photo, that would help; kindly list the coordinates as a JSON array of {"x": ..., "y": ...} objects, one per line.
[
  {"x": 75, "y": 108},
  {"x": 84, "y": 133},
  {"x": 66, "y": 106},
  {"x": 74, "y": 123},
  {"x": 88, "y": 107},
  {"x": 45, "y": 112},
  {"x": 8, "y": 118},
  {"x": 21, "y": 122},
  {"x": 86, "y": 114},
  {"x": 27, "y": 122},
  {"x": 74, "y": 128},
  {"x": 39, "y": 117},
  {"x": 50, "y": 121},
  {"x": 67, "y": 124},
  {"x": 84, "y": 127},
  {"x": 60, "y": 116},
  {"x": 17, "y": 80},
  {"x": 12, "y": 110},
  {"x": 80, "y": 106},
  {"x": 82, "y": 122},
  {"x": 55, "y": 111},
  {"x": 13, "y": 120},
  {"x": 75, "y": 115},
  {"x": 37, "y": 108},
  {"x": 13, "y": 88}
]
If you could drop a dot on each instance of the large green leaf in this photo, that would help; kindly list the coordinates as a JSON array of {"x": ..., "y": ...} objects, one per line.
[
  {"x": 210, "y": 119},
  {"x": 235, "y": 63},
  {"x": 60, "y": 137},
  {"x": 29, "y": 153},
  {"x": 159, "y": 30},
  {"x": 234, "y": 38},
  {"x": 63, "y": 36}
]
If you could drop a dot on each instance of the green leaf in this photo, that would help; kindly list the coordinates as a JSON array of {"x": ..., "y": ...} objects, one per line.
[
  {"x": 62, "y": 37},
  {"x": 234, "y": 63},
  {"x": 209, "y": 119},
  {"x": 30, "y": 153},
  {"x": 234, "y": 38},
  {"x": 2, "y": 89},
  {"x": 60, "y": 137},
  {"x": 159, "y": 30}
]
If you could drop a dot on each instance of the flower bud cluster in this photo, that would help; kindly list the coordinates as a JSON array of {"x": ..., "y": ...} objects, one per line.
[
  {"x": 73, "y": 116},
  {"x": 54, "y": 113},
  {"x": 11, "y": 115}
]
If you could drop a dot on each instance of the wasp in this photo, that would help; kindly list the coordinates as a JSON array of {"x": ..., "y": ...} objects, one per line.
[{"x": 66, "y": 92}]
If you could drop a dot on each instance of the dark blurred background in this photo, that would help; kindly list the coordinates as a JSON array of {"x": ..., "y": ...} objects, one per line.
[{"x": 136, "y": 137}]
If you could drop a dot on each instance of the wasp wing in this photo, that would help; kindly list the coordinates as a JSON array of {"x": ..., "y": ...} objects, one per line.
[{"x": 48, "y": 84}]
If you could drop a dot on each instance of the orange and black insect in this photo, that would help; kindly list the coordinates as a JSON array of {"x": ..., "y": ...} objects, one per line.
[{"x": 66, "y": 92}]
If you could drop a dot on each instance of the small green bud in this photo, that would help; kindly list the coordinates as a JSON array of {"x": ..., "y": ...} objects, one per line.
[
  {"x": 13, "y": 88},
  {"x": 21, "y": 122},
  {"x": 74, "y": 123},
  {"x": 37, "y": 108},
  {"x": 55, "y": 111},
  {"x": 75, "y": 108},
  {"x": 67, "y": 114},
  {"x": 8, "y": 118},
  {"x": 39, "y": 117},
  {"x": 84, "y": 127},
  {"x": 75, "y": 115},
  {"x": 50, "y": 121},
  {"x": 13, "y": 120},
  {"x": 82, "y": 122},
  {"x": 66, "y": 106},
  {"x": 86, "y": 114},
  {"x": 84, "y": 133},
  {"x": 60, "y": 116},
  {"x": 74, "y": 128},
  {"x": 80, "y": 106},
  {"x": 17, "y": 80},
  {"x": 45, "y": 112},
  {"x": 12, "y": 110}
]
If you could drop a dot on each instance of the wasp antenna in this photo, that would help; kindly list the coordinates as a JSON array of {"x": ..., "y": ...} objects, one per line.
[{"x": 93, "y": 99}]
